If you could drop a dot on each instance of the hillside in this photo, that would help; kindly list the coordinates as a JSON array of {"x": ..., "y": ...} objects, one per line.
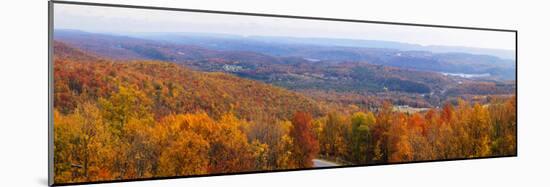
[
  {"x": 63, "y": 51},
  {"x": 169, "y": 87}
]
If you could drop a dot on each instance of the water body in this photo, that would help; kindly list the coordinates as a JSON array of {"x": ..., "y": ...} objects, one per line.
[{"x": 465, "y": 75}]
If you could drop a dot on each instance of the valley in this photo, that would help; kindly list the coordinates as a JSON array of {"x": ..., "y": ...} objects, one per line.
[{"x": 414, "y": 78}]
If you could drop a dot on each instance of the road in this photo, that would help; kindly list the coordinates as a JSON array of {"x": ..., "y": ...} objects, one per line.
[{"x": 318, "y": 163}]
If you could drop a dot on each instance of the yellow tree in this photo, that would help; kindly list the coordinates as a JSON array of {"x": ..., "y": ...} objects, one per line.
[
  {"x": 127, "y": 113},
  {"x": 79, "y": 141},
  {"x": 186, "y": 155},
  {"x": 481, "y": 128},
  {"x": 334, "y": 136}
]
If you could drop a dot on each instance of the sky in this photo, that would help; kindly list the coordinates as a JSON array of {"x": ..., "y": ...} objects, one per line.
[{"x": 129, "y": 20}]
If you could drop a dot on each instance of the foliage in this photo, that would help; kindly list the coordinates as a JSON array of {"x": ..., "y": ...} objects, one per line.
[{"x": 127, "y": 120}]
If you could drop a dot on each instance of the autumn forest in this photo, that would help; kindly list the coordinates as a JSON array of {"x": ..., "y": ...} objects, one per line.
[{"x": 131, "y": 108}]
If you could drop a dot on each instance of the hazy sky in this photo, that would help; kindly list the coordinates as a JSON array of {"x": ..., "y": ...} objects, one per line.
[{"x": 124, "y": 20}]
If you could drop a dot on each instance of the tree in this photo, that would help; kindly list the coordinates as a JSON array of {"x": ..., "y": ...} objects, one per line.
[
  {"x": 229, "y": 149},
  {"x": 271, "y": 135},
  {"x": 261, "y": 155},
  {"x": 362, "y": 141},
  {"x": 335, "y": 136},
  {"x": 306, "y": 146},
  {"x": 400, "y": 149},
  {"x": 80, "y": 139},
  {"x": 419, "y": 132},
  {"x": 480, "y": 131},
  {"x": 187, "y": 155},
  {"x": 384, "y": 121},
  {"x": 503, "y": 119}
]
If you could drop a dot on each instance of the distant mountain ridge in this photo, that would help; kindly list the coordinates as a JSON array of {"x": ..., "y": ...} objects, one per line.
[{"x": 337, "y": 42}]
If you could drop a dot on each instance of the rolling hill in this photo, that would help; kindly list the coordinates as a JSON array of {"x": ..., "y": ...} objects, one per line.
[{"x": 168, "y": 87}]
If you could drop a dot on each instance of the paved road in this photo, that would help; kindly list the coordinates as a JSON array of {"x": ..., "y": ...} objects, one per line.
[{"x": 323, "y": 163}]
